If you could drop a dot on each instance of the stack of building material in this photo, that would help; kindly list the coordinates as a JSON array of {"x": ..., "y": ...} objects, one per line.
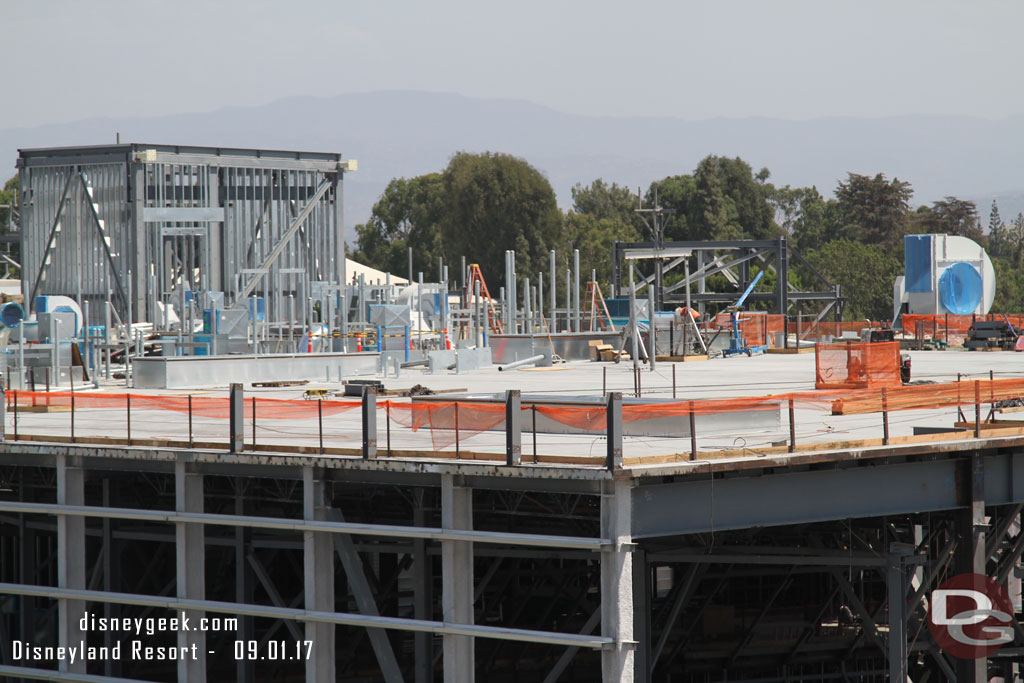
[{"x": 991, "y": 334}]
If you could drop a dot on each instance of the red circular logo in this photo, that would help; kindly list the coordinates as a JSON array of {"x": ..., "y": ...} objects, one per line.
[{"x": 970, "y": 616}]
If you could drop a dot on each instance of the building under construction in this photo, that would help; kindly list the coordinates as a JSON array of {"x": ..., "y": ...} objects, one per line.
[{"x": 773, "y": 517}]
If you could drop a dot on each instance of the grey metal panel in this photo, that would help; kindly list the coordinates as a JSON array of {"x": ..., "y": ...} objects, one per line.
[
  {"x": 702, "y": 504},
  {"x": 183, "y": 372},
  {"x": 198, "y": 214}
]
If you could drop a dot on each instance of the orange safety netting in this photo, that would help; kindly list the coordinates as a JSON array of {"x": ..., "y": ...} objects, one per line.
[
  {"x": 453, "y": 421},
  {"x": 760, "y": 328},
  {"x": 200, "y": 406},
  {"x": 856, "y": 365},
  {"x": 936, "y": 326},
  {"x": 449, "y": 422},
  {"x": 930, "y": 396}
]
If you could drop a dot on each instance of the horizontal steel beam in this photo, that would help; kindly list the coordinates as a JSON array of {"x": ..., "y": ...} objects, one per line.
[
  {"x": 785, "y": 560},
  {"x": 386, "y": 530},
  {"x": 198, "y": 214},
  {"x": 698, "y": 505},
  {"x": 305, "y": 615}
]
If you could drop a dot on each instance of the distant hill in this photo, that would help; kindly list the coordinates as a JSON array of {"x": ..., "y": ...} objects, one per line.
[{"x": 409, "y": 133}]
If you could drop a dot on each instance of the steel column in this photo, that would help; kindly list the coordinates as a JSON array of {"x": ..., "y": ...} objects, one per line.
[
  {"x": 318, "y": 578},
  {"x": 971, "y": 555},
  {"x": 617, "y": 661},
  {"x": 457, "y": 580},
  {"x": 70, "y": 558},
  {"x": 422, "y": 584},
  {"x": 190, "y": 552},
  {"x": 896, "y": 579}
]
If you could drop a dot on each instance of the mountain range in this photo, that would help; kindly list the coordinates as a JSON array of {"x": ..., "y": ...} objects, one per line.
[{"x": 407, "y": 133}]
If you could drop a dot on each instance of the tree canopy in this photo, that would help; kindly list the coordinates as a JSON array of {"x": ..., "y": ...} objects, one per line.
[
  {"x": 495, "y": 202},
  {"x": 408, "y": 214},
  {"x": 483, "y": 204}
]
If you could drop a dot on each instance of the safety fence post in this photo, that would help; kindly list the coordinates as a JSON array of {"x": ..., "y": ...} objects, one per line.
[
  {"x": 513, "y": 428},
  {"x": 236, "y": 415},
  {"x": 320, "y": 422},
  {"x": 885, "y": 418},
  {"x": 693, "y": 434},
  {"x": 614, "y": 424},
  {"x": 792, "y": 428},
  {"x": 369, "y": 422},
  {"x": 977, "y": 409}
]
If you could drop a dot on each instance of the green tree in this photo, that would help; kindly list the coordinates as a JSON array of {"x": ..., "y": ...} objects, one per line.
[
  {"x": 408, "y": 214},
  {"x": 8, "y": 197},
  {"x": 601, "y": 200},
  {"x": 1008, "y": 241},
  {"x": 676, "y": 193},
  {"x": 995, "y": 221},
  {"x": 804, "y": 215},
  {"x": 873, "y": 210},
  {"x": 594, "y": 236},
  {"x": 495, "y": 202},
  {"x": 864, "y": 271},
  {"x": 1009, "y": 287},
  {"x": 730, "y": 202},
  {"x": 954, "y": 216}
]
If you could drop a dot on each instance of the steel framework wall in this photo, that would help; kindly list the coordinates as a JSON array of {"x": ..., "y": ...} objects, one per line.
[{"x": 140, "y": 221}]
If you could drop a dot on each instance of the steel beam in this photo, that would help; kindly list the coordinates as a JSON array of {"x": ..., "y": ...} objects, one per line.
[
  {"x": 313, "y": 616},
  {"x": 363, "y": 595},
  {"x": 457, "y": 581},
  {"x": 695, "y": 505},
  {"x": 318, "y": 578},
  {"x": 311, "y": 203},
  {"x": 70, "y": 559},
  {"x": 190, "y": 555},
  {"x": 386, "y": 530},
  {"x": 617, "y": 661}
]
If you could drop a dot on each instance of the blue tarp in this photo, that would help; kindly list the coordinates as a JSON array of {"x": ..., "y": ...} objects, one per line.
[
  {"x": 917, "y": 263},
  {"x": 960, "y": 288}
]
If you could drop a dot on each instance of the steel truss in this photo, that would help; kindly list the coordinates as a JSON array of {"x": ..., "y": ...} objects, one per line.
[
  {"x": 418, "y": 573},
  {"x": 732, "y": 259}
]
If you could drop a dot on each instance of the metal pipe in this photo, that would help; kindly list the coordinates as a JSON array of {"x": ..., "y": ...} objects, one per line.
[
  {"x": 576, "y": 288},
  {"x": 527, "y": 310},
  {"x": 634, "y": 332},
  {"x": 651, "y": 346},
  {"x": 519, "y": 363},
  {"x": 554, "y": 289}
]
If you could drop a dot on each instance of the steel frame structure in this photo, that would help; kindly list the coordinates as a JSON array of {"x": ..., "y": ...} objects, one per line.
[
  {"x": 775, "y": 568},
  {"x": 731, "y": 258},
  {"x": 135, "y": 223}
]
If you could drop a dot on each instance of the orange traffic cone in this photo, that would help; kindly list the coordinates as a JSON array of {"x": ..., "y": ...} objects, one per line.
[
  {"x": 359, "y": 341},
  {"x": 447, "y": 340}
]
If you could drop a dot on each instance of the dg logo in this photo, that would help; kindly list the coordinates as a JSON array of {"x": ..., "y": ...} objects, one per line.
[{"x": 971, "y": 616}]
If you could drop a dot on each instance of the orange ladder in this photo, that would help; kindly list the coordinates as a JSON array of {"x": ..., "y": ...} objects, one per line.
[
  {"x": 476, "y": 276},
  {"x": 597, "y": 307}
]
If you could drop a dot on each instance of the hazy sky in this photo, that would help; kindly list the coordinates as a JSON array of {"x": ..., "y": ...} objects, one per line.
[{"x": 68, "y": 60}]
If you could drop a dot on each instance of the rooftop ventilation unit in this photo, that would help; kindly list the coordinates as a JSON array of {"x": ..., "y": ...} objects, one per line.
[{"x": 944, "y": 274}]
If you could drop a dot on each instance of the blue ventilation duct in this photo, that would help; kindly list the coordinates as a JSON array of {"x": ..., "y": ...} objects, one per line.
[{"x": 960, "y": 288}]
